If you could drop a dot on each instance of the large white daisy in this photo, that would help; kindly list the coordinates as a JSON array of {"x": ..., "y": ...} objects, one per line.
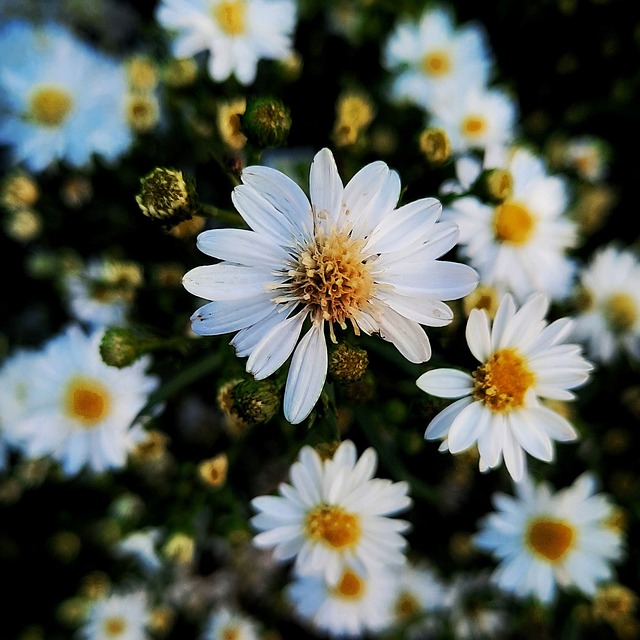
[
  {"x": 60, "y": 99},
  {"x": 348, "y": 256},
  {"x": 521, "y": 245},
  {"x": 80, "y": 411},
  {"x": 522, "y": 360},
  {"x": 543, "y": 540},
  {"x": 236, "y": 33},
  {"x": 334, "y": 515}
]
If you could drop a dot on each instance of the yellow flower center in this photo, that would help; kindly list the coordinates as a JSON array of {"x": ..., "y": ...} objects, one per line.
[
  {"x": 513, "y": 223},
  {"x": 231, "y": 16},
  {"x": 436, "y": 63},
  {"x": 50, "y": 105},
  {"x": 550, "y": 538},
  {"x": 350, "y": 586},
  {"x": 621, "y": 311},
  {"x": 503, "y": 380},
  {"x": 333, "y": 526},
  {"x": 114, "y": 627},
  {"x": 473, "y": 126},
  {"x": 230, "y": 633},
  {"x": 87, "y": 400},
  {"x": 333, "y": 278},
  {"x": 406, "y": 606}
]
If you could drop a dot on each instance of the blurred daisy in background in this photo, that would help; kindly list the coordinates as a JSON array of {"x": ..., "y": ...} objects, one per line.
[
  {"x": 334, "y": 515},
  {"x": 223, "y": 623},
  {"x": 607, "y": 318},
  {"x": 498, "y": 408},
  {"x": 60, "y": 99},
  {"x": 349, "y": 256},
  {"x": 544, "y": 540},
  {"x": 237, "y": 34},
  {"x": 80, "y": 411},
  {"x": 520, "y": 245}
]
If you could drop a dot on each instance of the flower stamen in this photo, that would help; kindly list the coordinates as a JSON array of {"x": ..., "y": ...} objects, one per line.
[{"x": 333, "y": 526}]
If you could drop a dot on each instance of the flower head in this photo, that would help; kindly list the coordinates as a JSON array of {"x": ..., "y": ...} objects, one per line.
[
  {"x": 334, "y": 515},
  {"x": 348, "y": 257},
  {"x": 224, "y": 624},
  {"x": 543, "y": 540},
  {"x": 523, "y": 360}
]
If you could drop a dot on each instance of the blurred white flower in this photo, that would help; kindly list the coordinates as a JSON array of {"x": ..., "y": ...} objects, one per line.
[{"x": 223, "y": 623}]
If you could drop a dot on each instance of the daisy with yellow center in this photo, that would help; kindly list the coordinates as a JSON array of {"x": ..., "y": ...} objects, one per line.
[
  {"x": 345, "y": 259},
  {"x": 118, "y": 616},
  {"x": 545, "y": 540},
  {"x": 80, "y": 411},
  {"x": 225, "y": 623},
  {"x": 334, "y": 516},
  {"x": 237, "y": 34},
  {"x": 523, "y": 359}
]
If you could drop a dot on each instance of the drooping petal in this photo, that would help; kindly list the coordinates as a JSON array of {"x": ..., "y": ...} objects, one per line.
[{"x": 408, "y": 336}]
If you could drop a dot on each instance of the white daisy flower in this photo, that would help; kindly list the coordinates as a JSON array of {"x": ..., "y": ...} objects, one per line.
[
  {"x": 354, "y": 605},
  {"x": 474, "y": 117},
  {"x": 236, "y": 33},
  {"x": 608, "y": 320},
  {"x": 118, "y": 616},
  {"x": 431, "y": 55},
  {"x": 520, "y": 245},
  {"x": 224, "y": 623},
  {"x": 333, "y": 515},
  {"x": 60, "y": 100},
  {"x": 348, "y": 256},
  {"x": 544, "y": 540},
  {"x": 82, "y": 412},
  {"x": 523, "y": 360},
  {"x": 588, "y": 156},
  {"x": 142, "y": 546}
]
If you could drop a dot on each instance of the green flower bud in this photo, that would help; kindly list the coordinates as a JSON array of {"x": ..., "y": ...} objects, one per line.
[
  {"x": 119, "y": 347},
  {"x": 496, "y": 185},
  {"x": 347, "y": 363},
  {"x": 255, "y": 401},
  {"x": 266, "y": 122}
]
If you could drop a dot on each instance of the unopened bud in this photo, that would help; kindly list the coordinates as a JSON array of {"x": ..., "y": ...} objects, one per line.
[
  {"x": 435, "y": 145},
  {"x": 496, "y": 184},
  {"x": 348, "y": 363},
  {"x": 213, "y": 472},
  {"x": 119, "y": 347},
  {"x": 255, "y": 401},
  {"x": 266, "y": 122}
]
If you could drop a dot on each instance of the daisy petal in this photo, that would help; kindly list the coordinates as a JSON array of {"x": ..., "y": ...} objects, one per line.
[{"x": 446, "y": 383}]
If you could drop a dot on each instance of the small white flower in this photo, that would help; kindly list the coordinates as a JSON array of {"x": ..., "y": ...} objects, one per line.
[
  {"x": 225, "y": 624},
  {"x": 348, "y": 256},
  {"x": 544, "y": 540},
  {"x": 588, "y": 156},
  {"x": 520, "y": 245},
  {"x": 608, "y": 324},
  {"x": 354, "y": 605},
  {"x": 333, "y": 515},
  {"x": 118, "y": 616},
  {"x": 143, "y": 547},
  {"x": 80, "y": 411},
  {"x": 236, "y": 33},
  {"x": 61, "y": 99},
  {"x": 523, "y": 360}
]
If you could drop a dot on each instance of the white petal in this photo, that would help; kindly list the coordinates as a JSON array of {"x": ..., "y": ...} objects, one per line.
[
  {"x": 408, "y": 336},
  {"x": 360, "y": 191},
  {"x": 246, "y": 339},
  {"x": 422, "y": 309},
  {"x": 466, "y": 428},
  {"x": 506, "y": 311},
  {"x": 439, "y": 426},
  {"x": 446, "y": 383},
  {"x": 534, "y": 440},
  {"x": 478, "y": 334},
  {"x": 223, "y": 316},
  {"x": 307, "y": 375},
  {"x": 226, "y": 282},
  {"x": 325, "y": 186},
  {"x": 513, "y": 455}
]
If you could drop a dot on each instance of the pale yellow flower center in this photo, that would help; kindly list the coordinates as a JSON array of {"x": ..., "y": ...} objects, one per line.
[
  {"x": 114, "y": 627},
  {"x": 503, "y": 381},
  {"x": 550, "y": 538},
  {"x": 621, "y": 311},
  {"x": 49, "y": 105},
  {"x": 350, "y": 586},
  {"x": 513, "y": 223},
  {"x": 333, "y": 278},
  {"x": 436, "y": 63},
  {"x": 333, "y": 526},
  {"x": 230, "y": 633},
  {"x": 473, "y": 125},
  {"x": 231, "y": 16},
  {"x": 87, "y": 400}
]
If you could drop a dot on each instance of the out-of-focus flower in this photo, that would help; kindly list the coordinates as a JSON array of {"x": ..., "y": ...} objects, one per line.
[
  {"x": 62, "y": 100},
  {"x": 237, "y": 34},
  {"x": 523, "y": 359},
  {"x": 607, "y": 319},
  {"x": 229, "y": 113},
  {"x": 334, "y": 515},
  {"x": 357, "y": 603},
  {"x": 142, "y": 546},
  {"x": 545, "y": 540},
  {"x": 354, "y": 113},
  {"x": 80, "y": 411},
  {"x": 588, "y": 156},
  {"x": 224, "y": 623},
  {"x": 349, "y": 256},
  {"x": 520, "y": 245}
]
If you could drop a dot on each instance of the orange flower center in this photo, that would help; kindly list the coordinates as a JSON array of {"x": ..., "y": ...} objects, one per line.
[
  {"x": 87, "y": 400},
  {"x": 550, "y": 538},
  {"x": 231, "y": 16},
  {"x": 513, "y": 223},
  {"x": 333, "y": 526},
  {"x": 436, "y": 63}
]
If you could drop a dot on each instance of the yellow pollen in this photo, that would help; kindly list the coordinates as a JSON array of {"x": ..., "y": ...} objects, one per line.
[
  {"x": 550, "y": 538},
  {"x": 50, "y": 105},
  {"x": 503, "y": 380},
  {"x": 333, "y": 278},
  {"x": 333, "y": 526},
  {"x": 114, "y": 627},
  {"x": 621, "y": 311},
  {"x": 350, "y": 586},
  {"x": 406, "y": 606},
  {"x": 436, "y": 63},
  {"x": 473, "y": 125},
  {"x": 230, "y": 633},
  {"x": 87, "y": 400},
  {"x": 513, "y": 223},
  {"x": 231, "y": 16}
]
